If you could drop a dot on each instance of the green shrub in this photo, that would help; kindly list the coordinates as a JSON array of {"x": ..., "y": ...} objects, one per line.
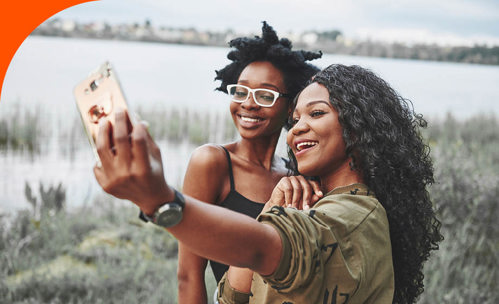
[
  {"x": 465, "y": 194},
  {"x": 88, "y": 256}
]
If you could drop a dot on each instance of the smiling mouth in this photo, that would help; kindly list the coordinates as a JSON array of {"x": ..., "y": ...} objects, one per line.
[
  {"x": 250, "y": 119},
  {"x": 305, "y": 145}
]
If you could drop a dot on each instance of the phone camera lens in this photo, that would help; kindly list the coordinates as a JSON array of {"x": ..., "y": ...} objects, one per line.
[
  {"x": 93, "y": 85},
  {"x": 96, "y": 113}
]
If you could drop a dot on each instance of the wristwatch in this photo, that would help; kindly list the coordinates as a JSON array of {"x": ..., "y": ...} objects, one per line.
[{"x": 168, "y": 215}]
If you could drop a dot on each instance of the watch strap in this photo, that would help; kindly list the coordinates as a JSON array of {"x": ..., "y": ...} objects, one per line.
[
  {"x": 178, "y": 199},
  {"x": 145, "y": 217}
]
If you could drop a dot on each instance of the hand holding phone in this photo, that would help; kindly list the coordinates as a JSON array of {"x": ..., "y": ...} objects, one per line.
[{"x": 97, "y": 97}]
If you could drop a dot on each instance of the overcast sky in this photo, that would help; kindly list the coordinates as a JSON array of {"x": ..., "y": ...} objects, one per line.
[{"x": 440, "y": 21}]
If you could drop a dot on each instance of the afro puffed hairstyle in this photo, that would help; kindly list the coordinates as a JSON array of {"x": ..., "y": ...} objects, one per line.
[
  {"x": 381, "y": 133},
  {"x": 292, "y": 64}
]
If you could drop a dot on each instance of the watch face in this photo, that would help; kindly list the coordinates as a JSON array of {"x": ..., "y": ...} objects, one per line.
[{"x": 171, "y": 216}]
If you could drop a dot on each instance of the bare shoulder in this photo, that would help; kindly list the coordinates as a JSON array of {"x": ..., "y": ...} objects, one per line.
[
  {"x": 208, "y": 156},
  {"x": 206, "y": 174}
]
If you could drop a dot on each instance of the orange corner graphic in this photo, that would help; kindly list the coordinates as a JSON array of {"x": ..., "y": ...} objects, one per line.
[{"x": 18, "y": 19}]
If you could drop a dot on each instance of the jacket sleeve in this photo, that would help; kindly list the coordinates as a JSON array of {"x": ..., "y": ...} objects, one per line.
[
  {"x": 307, "y": 241},
  {"x": 228, "y": 295}
]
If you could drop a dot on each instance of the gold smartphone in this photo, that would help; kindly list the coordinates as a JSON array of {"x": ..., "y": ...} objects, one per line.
[{"x": 97, "y": 97}]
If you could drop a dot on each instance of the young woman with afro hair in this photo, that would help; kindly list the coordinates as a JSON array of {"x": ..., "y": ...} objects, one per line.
[{"x": 228, "y": 175}]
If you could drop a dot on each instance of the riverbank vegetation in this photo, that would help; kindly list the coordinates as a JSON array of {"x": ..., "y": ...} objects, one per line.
[
  {"x": 26, "y": 130},
  {"x": 102, "y": 253}
]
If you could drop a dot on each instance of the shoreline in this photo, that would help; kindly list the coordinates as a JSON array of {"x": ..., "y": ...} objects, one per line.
[{"x": 329, "y": 43}]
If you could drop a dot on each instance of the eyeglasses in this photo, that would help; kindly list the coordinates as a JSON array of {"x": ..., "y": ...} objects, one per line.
[{"x": 262, "y": 97}]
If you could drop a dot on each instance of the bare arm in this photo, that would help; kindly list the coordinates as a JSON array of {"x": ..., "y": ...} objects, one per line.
[
  {"x": 204, "y": 181},
  {"x": 133, "y": 170},
  {"x": 190, "y": 277}
]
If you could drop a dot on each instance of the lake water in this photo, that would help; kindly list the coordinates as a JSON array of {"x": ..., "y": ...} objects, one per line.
[{"x": 44, "y": 71}]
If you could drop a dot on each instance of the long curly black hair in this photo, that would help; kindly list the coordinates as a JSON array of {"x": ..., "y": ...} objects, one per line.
[
  {"x": 381, "y": 133},
  {"x": 292, "y": 64}
]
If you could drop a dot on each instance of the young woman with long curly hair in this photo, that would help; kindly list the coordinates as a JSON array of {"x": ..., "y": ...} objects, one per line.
[
  {"x": 381, "y": 134},
  {"x": 365, "y": 241}
]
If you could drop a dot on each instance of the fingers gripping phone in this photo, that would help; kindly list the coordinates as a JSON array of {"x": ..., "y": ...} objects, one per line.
[{"x": 97, "y": 97}]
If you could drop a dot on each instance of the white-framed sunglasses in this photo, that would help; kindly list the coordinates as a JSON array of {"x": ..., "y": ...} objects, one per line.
[{"x": 262, "y": 97}]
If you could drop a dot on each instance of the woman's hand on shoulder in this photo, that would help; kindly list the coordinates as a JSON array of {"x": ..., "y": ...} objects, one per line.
[{"x": 296, "y": 192}]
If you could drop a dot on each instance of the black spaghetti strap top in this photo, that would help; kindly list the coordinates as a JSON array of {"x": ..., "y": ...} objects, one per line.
[{"x": 236, "y": 202}]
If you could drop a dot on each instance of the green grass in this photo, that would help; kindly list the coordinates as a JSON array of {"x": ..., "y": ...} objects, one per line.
[
  {"x": 22, "y": 129},
  {"x": 101, "y": 252}
]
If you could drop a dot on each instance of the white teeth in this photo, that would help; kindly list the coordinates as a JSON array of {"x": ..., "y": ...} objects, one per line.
[
  {"x": 248, "y": 119},
  {"x": 305, "y": 143}
]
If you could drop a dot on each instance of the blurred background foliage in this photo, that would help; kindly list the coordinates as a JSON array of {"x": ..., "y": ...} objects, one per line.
[
  {"x": 465, "y": 194},
  {"x": 101, "y": 252}
]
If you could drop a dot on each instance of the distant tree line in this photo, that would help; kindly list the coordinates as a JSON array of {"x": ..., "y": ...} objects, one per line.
[
  {"x": 478, "y": 54},
  {"x": 331, "y": 42}
]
